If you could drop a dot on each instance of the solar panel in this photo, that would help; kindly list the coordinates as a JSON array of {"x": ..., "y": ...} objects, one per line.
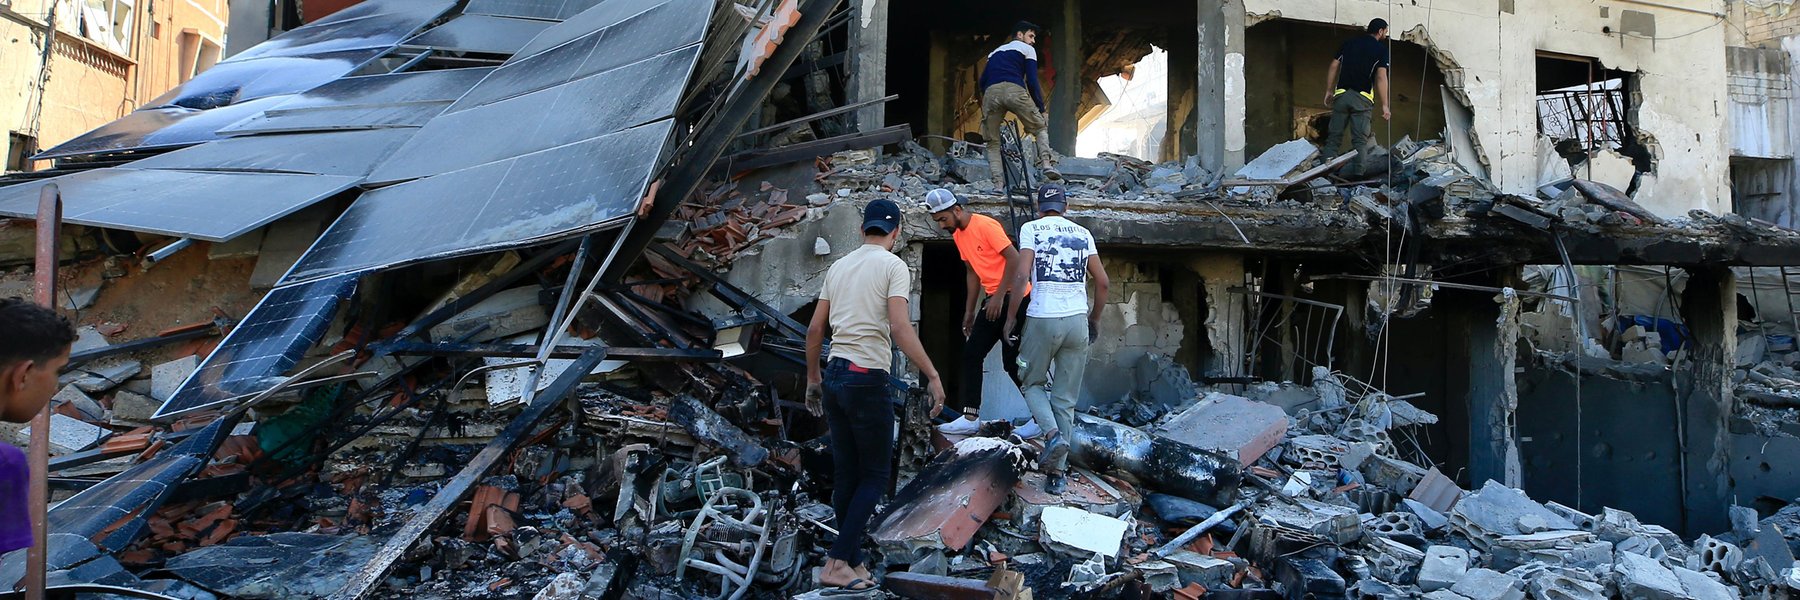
[
  {"x": 379, "y": 24},
  {"x": 153, "y": 128},
  {"x": 389, "y": 88},
  {"x": 554, "y": 10},
  {"x": 233, "y": 83},
  {"x": 481, "y": 33},
  {"x": 379, "y": 116},
  {"x": 548, "y": 118},
  {"x": 269, "y": 342},
  {"x": 352, "y": 153},
  {"x": 212, "y": 206},
  {"x": 652, "y": 32},
  {"x": 592, "y": 19},
  {"x": 518, "y": 201}
]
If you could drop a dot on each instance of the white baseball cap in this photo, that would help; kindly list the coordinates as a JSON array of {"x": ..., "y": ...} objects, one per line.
[{"x": 939, "y": 200}]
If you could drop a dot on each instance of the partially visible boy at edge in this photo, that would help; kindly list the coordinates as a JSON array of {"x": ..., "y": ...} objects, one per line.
[{"x": 34, "y": 347}]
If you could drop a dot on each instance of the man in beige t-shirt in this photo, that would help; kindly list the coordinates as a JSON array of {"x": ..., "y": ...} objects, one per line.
[{"x": 863, "y": 302}]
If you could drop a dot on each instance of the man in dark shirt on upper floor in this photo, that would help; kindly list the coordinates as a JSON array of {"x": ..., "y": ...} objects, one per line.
[
  {"x": 1358, "y": 74},
  {"x": 1009, "y": 83}
]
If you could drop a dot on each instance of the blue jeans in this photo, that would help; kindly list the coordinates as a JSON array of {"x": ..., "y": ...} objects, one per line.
[{"x": 861, "y": 418}]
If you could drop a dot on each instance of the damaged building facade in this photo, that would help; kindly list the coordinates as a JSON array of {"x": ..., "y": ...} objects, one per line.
[{"x": 505, "y": 299}]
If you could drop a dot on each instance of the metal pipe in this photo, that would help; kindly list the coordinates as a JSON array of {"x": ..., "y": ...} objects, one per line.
[
  {"x": 49, "y": 228},
  {"x": 165, "y": 252}
]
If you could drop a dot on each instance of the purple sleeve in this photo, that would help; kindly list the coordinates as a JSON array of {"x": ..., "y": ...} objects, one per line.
[{"x": 15, "y": 481}]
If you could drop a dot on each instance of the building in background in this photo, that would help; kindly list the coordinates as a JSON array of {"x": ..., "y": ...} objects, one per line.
[{"x": 73, "y": 65}]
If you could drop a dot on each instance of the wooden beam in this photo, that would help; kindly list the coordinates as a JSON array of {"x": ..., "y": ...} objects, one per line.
[{"x": 372, "y": 574}]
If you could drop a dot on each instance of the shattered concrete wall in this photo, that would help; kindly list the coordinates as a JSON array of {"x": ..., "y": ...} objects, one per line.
[
  {"x": 1136, "y": 321},
  {"x": 1761, "y": 95},
  {"x": 1487, "y": 49}
]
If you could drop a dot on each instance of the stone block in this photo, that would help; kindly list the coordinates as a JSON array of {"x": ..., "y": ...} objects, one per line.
[
  {"x": 131, "y": 406},
  {"x": 166, "y": 378},
  {"x": 1700, "y": 586},
  {"x": 1444, "y": 595},
  {"x": 1397, "y": 476},
  {"x": 1644, "y": 578},
  {"x": 1442, "y": 567},
  {"x": 95, "y": 379},
  {"x": 1238, "y": 427},
  {"x": 68, "y": 435},
  {"x": 507, "y": 313},
  {"x": 1483, "y": 584},
  {"x": 283, "y": 244},
  {"x": 1065, "y": 527},
  {"x": 1564, "y": 585},
  {"x": 1194, "y": 567}
]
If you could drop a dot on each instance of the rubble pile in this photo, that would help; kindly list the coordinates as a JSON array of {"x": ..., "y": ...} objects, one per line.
[{"x": 1322, "y": 499}]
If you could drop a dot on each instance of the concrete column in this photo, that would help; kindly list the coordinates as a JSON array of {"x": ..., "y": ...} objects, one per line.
[
  {"x": 940, "y": 110},
  {"x": 1492, "y": 333},
  {"x": 1219, "y": 105},
  {"x": 868, "y": 61},
  {"x": 1178, "y": 137},
  {"x": 1709, "y": 308},
  {"x": 1065, "y": 99}
]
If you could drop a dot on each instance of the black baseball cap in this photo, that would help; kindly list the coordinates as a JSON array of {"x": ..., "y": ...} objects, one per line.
[{"x": 881, "y": 215}]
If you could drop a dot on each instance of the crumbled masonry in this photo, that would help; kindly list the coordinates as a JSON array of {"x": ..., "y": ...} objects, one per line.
[{"x": 568, "y": 364}]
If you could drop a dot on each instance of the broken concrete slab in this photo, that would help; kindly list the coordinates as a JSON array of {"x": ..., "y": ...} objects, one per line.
[
  {"x": 1233, "y": 425},
  {"x": 1089, "y": 533},
  {"x": 1484, "y": 584},
  {"x": 68, "y": 435},
  {"x": 1640, "y": 576},
  {"x": 95, "y": 379},
  {"x": 1700, "y": 586},
  {"x": 80, "y": 298},
  {"x": 952, "y": 498},
  {"x": 1277, "y": 162},
  {"x": 1495, "y": 511},
  {"x": 1194, "y": 567},
  {"x": 1442, "y": 567},
  {"x": 166, "y": 378},
  {"x": 80, "y": 401},
  {"x": 508, "y": 313}
]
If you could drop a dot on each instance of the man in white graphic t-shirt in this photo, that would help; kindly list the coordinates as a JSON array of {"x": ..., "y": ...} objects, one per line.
[{"x": 1059, "y": 258}]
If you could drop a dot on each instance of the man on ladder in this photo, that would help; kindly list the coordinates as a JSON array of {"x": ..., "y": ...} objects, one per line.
[
  {"x": 1358, "y": 74},
  {"x": 1009, "y": 84}
]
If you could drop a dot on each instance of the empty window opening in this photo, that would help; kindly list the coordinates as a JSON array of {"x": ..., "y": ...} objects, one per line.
[
  {"x": 1131, "y": 116},
  {"x": 1285, "y": 64},
  {"x": 1582, "y": 105}
]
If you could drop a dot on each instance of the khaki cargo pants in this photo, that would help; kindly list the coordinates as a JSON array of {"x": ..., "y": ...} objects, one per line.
[{"x": 1002, "y": 98}]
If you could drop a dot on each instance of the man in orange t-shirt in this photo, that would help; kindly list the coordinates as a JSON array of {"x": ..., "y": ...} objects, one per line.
[{"x": 987, "y": 253}]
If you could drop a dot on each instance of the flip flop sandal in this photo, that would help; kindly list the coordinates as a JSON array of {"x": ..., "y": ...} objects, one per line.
[{"x": 850, "y": 588}]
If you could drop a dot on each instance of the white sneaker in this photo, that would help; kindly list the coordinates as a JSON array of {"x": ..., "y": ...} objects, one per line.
[
  {"x": 1029, "y": 430},
  {"x": 963, "y": 426}
]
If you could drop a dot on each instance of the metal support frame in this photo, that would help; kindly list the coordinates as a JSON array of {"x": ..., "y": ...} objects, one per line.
[{"x": 722, "y": 128}]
